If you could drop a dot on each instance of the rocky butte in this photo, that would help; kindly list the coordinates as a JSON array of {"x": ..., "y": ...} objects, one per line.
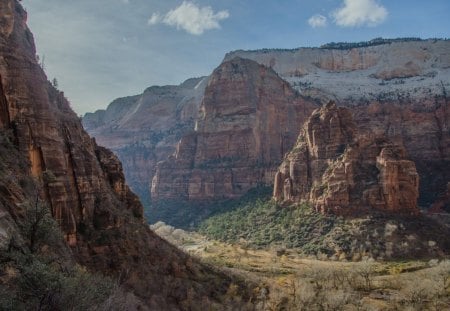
[
  {"x": 341, "y": 171},
  {"x": 48, "y": 157}
]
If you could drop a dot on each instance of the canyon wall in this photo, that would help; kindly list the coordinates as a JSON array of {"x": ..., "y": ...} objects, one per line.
[
  {"x": 396, "y": 88},
  {"x": 144, "y": 129},
  {"x": 248, "y": 119},
  {"x": 48, "y": 157}
]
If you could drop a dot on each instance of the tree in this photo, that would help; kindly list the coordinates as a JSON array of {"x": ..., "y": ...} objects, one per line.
[
  {"x": 38, "y": 225},
  {"x": 55, "y": 83}
]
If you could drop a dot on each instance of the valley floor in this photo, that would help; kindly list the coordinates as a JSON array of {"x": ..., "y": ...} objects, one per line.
[{"x": 290, "y": 281}]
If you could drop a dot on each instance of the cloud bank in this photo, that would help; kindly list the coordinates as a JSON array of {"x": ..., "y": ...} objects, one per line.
[
  {"x": 191, "y": 18},
  {"x": 360, "y": 13}
]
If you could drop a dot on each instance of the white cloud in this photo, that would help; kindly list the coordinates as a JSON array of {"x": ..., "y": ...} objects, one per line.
[
  {"x": 155, "y": 19},
  {"x": 317, "y": 20},
  {"x": 191, "y": 18},
  {"x": 360, "y": 12}
]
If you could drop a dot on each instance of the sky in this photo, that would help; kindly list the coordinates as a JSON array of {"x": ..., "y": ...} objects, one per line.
[{"x": 104, "y": 49}]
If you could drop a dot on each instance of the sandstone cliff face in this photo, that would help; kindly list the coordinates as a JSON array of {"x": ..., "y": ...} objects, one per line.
[
  {"x": 144, "y": 129},
  {"x": 409, "y": 67},
  {"x": 247, "y": 122},
  {"x": 398, "y": 90},
  {"x": 43, "y": 140},
  {"x": 341, "y": 171}
]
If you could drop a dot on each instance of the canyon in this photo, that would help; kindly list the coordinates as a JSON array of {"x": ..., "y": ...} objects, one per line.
[
  {"x": 396, "y": 89},
  {"x": 348, "y": 130},
  {"x": 144, "y": 129},
  {"x": 48, "y": 160}
]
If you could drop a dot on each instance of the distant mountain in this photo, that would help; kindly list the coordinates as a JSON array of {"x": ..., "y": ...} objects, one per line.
[
  {"x": 394, "y": 88},
  {"x": 360, "y": 73},
  {"x": 144, "y": 129}
]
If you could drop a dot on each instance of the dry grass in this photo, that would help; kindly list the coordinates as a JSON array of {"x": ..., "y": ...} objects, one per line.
[{"x": 289, "y": 281}]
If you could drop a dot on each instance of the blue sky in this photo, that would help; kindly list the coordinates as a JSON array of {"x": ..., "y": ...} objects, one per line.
[{"x": 103, "y": 49}]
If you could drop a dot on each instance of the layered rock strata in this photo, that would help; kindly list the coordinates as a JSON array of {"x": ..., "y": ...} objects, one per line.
[
  {"x": 144, "y": 129},
  {"x": 396, "y": 88},
  {"x": 42, "y": 143},
  {"x": 248, "y": 120},
  {"x": 341, "y": 171},
  {"x": 354, "y": 73}
]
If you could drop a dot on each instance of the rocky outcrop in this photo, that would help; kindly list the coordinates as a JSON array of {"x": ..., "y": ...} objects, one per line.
[
  {"x": 248, "y": 120},
  {"x": 341, "y": 171},
  {"x": 396, "y": 89},
  {"x": 144, "y": 129},
  {"x": 43, "y": 147}
]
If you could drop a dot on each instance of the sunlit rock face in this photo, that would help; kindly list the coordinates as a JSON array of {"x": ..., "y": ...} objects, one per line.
[
  {"x": 341, "y": 171},
  {"x": 249, "y": 118},
  {"x": 398, "y": 89},
  {"x": 43, "y": 146}
]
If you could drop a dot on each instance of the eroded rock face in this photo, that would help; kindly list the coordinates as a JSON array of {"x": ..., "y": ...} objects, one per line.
[
  {"x": 41, "y": 138},
  {"x": 248, "y": 120},
  {"x": 382, "y": 69},
  {"x": 48, "y": 131},
  {"x": 144, "y": 129},
  {"x": 398, "y": 90},
  {"x": 342, "y": 172}
]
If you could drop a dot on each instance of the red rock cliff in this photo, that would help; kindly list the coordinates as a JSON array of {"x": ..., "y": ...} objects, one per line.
[
  {"x": 342, "y": 171},
  {"x": 82, "y": 183},
  {"x": 247, "y": 122},
  {"x": 395, "y": 88},
  {"x": 144, "y": 129}
]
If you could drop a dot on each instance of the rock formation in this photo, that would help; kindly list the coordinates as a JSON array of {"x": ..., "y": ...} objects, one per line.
[
  {"x": 353, "y": 73},
  {"x": 42, "y": 143},
  {"x": 341, "y": 171},
  {"x": 395, "y": 88},
  {"x": 247, "y": 122},
  {"x": 144, "y": 129}
]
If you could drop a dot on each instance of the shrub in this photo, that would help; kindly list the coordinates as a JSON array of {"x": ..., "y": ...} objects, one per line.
[{"x": 37, "y": 226}]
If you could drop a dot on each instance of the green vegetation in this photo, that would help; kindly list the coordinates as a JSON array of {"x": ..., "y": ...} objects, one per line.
[
  {"x": 373, "y": 42},
  {"x": 41, "y": 283},
  {"x": 264, "y": 222},
  {"x": 185, "y": 215}
]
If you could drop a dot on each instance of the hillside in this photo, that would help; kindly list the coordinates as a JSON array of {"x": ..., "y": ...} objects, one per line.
[{"x": 72, "y": 234}]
